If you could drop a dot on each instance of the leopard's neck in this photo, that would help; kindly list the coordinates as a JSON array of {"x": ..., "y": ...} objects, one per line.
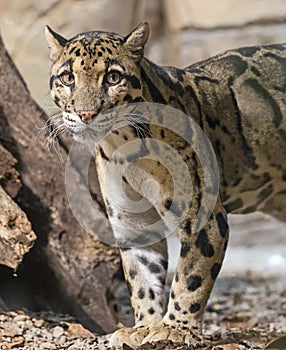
[{"x": 171, "y": 86}]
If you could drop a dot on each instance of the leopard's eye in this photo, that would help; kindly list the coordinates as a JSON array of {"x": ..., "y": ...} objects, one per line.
[
  {"x": 67, "y": 78},
  {"x": 113, "y": 77}
]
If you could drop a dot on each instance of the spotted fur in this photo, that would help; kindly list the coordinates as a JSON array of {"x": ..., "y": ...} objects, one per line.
[{"x": 237, "y": 98}]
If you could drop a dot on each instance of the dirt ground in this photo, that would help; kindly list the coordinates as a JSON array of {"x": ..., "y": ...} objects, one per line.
[
  {"x": 247, "y": 308},
  {"x": 244, "y": 312}
]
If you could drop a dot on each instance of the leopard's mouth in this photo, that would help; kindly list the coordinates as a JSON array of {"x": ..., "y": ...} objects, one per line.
[
  {"x": 73, "y": 122},
  {"x": 92, "y": 131}
]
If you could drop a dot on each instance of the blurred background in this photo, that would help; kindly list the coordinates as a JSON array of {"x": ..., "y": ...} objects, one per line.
[{"x": 182, "y": 32}]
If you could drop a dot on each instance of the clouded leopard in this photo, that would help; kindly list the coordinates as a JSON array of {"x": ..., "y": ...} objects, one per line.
[{"x": 238, "y": 99}]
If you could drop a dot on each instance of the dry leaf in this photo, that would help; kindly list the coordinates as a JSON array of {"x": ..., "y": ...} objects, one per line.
[{"x": 76, "y": 330}]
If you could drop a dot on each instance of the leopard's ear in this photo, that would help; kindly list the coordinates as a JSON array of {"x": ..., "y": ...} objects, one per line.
[
  {"x": 56, "y": 43},
  {"x": 136, "y": 40}
]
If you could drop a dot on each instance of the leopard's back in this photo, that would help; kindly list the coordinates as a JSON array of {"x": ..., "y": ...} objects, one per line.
[
  {"x": 250, "y": 140},
  {"x": 238, "y": 98}
]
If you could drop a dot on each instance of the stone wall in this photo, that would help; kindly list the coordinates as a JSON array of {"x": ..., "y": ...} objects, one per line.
[{"x": 182, "y": 31}]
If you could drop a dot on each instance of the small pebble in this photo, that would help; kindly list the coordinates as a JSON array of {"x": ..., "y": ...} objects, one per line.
[
  {"x": 38, "y": 322},
  {"x": 21, "y": 318},
  {"x": 58, "y": 331},
  {"x": 46, "y": 345}
]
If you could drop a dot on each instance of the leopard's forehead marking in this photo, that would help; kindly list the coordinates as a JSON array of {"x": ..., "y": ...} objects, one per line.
[
  {"x": 92, "y": 45},
  {"x": 93, "y": 48}
]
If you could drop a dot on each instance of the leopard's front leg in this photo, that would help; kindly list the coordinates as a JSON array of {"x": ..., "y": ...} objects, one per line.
[
  {"x": 145, "y": 271},
  {"x": 140, "y": 235},
  {"x": 200, "y": 261}
]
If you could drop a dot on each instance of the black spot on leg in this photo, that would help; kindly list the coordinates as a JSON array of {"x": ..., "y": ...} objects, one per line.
[
  {"x": 177, "y": 306},
  {"x": 195, "y": 307},
  {"x": 141, "y": 293},
  {"x": 177, "y": 277},
  {"x": 185, "y": 248},
  {"x": 203, "y": 244},
  {"x": 215, "y": 270},
  {"x": 194, "y": 282},
  {"x": 132, "y": 274},
  {"x": 162, "y": 280},
  {"x": 172, "y": 294},
  {"x": 151, "y": 294},
  {"x": 151, "y": 311},
  {"x": 154, "y": 268},
  {"x": 143, "y": 260},
  {"x": 222, "y": 224},
  {"x": 141, "y": 317},
  {"x": 172, "y": 317}
]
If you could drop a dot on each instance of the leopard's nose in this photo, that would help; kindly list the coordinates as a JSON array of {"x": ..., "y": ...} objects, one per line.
[{"x": 86, "y": 116}]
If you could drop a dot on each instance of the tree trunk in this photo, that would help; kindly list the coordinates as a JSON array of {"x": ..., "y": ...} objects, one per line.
[{"x": 68, "y": 269}]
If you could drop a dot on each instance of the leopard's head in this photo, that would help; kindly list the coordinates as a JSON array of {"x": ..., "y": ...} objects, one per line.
[{"x": 94, "y": 72}]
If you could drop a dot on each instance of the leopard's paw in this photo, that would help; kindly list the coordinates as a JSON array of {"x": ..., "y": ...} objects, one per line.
[
  {"x": 147, "y": 334},
  {"x": 177, "y": 335},
  {"x": 130, "y": 336}
]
